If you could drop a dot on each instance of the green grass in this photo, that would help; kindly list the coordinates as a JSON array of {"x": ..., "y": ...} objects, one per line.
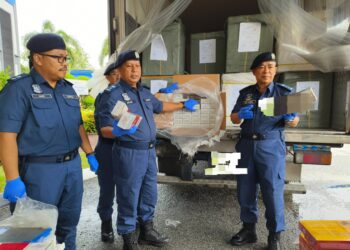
[{"x": 84, "y": 164}]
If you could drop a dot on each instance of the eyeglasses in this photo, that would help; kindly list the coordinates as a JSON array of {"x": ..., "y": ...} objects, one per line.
[
  {"x": 60, "y": 59},
  {"x": 268, "y": 67}
]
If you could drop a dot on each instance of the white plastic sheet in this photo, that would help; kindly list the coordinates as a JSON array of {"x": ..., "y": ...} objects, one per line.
[
  {"x": 158, "y": 17},
  {"x": 320, "y": 36},
  {"x": 189, "y": 139}
]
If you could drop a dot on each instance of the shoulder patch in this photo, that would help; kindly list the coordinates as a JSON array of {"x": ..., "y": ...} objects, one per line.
[
  {"x": 247, "y": 88},
  {"x": 285, "y": 87},
  {"x": 18, "y": 77}
]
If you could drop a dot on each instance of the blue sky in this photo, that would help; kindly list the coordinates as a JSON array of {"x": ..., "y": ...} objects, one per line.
[{"x": 84, "y": 20}]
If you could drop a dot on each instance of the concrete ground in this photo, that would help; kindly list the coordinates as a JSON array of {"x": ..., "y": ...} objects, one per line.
[{"x": 208, "y": 217}]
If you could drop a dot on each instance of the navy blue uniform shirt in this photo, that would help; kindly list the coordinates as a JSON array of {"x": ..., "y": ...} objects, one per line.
[
  {"x": 140, "y": 101},
  {"x": 46, "y": 120},
  {"x": 260, "y": 123}
]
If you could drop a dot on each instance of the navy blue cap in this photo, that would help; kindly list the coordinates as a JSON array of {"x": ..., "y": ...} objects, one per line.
[
  {"x": 111, "y": 67},
  {"x": 125, "y": 56},
  {"x": 263, "y": 57},
  {"x": 44, "y": 42}
]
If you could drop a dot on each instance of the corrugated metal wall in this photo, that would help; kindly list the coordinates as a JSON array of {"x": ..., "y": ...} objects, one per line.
[{"x": 6, "y": 40}]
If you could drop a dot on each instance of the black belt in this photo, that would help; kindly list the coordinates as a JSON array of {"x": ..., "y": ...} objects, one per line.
[
  {"x": 258, "y": 136},
  {"x": 106, "y": 140},
  {"x": 50, "y": 159},
  {"x": 135, "y": 144}
]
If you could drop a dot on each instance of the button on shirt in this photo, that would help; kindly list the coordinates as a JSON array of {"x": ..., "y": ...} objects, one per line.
[
  {"x": 140, "y": 101},
  {"x": 260, "y": 123},
  {"x": 46, "y": 120}
]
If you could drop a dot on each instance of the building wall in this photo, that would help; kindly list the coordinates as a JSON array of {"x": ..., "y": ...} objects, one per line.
[{"x": 9, "y": 41}]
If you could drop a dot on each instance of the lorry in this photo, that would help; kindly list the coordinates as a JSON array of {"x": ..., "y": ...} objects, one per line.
[{"x": 209, "y": 16}]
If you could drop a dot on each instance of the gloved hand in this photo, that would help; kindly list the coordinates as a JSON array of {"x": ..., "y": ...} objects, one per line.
[
  {"x": 117, "y": 131},
  {"x": 170, "y": 89},
  {"x": 289, "y": 117},
  {"x": 14, "y": 189},
  {"x": 246, "y": 112},
  {"x": 190, "y": 104},
  {"x": 93, "y": 162}
]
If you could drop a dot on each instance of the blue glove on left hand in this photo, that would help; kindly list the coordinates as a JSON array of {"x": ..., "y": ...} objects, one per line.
[
  {"x": 93, "y": 163},
  {"x": 190, "y": 104},
  {"x": 117, "y": 131},
  {"x": 14, "y": 189},
  {"x": 170, "y": 89},
  {"x": 289, "y": 117}
]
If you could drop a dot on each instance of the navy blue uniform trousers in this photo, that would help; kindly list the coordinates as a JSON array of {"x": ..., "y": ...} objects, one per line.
[
  {"x": 265, "y": 161},
  {"x": 136, "y": 179}
]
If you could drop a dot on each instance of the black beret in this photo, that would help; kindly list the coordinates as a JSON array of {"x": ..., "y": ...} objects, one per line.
[
  {"x": 127, "y": 55},
  {"x": 263, "y": 57},
  {"x": 44, "y": 42},
  {"x": 110, "y": 68}
]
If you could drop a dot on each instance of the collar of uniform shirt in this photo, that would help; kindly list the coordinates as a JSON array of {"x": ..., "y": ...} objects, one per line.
[
  {"x": 269, "y": 88},
  {"x": 126, "y": 86},
  {"x": 39, "y": 79}
]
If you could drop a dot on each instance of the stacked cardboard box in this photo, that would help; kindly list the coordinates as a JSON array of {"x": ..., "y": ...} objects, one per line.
[
  {"x": 247, "y": 36},
  {"x": 157, "y": 61},
  {"x": 324, "y": 234},
  {"x": 208, "y": 53}
]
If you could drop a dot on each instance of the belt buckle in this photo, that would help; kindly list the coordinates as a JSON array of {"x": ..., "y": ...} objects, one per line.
[{"x": 67, "y": 157}]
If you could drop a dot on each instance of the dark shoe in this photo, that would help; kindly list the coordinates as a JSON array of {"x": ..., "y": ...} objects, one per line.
[
  {"x": 150, "y": 236},
  {"x": 130, "y": 241},
  {"x": 246, "y": 235},
  {"x": 107, "y": 234},
  {"x": 274, "y": 241}
]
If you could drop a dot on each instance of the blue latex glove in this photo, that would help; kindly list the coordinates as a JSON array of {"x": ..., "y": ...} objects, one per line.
[
  {"x": 246, "y": 112},
  {"x": 93, "y": 162},
  {"x": 117, "y": 131},
  {"x": 190, "y": 103},
  {"x": 14, "y": 189},
  {"x": 170, "y": 89},
  {"x": 289, "y": 117}
]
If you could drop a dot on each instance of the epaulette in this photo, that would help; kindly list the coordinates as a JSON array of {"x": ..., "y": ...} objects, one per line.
[
  {"x": 70, "y": 83},
  {"x": 285, "y": 87},
  {"x": 110, "y": 88},
  {"x": 18, "y": 77},
  {"x": 247, "y": 88}
]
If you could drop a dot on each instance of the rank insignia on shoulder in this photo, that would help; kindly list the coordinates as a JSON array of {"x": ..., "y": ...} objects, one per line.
[
  {"x": 285, "y": 86},
  {"x": 15, "y": 78}
]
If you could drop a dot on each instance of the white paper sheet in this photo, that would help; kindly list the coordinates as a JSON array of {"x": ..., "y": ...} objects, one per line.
[
  {"x": 314, "y": 85},
  {"x": 207, "y": 51},
  {"x": 80, "y": 87},
  {"x": 232, "y": 93},
  {"x": 249, "y": 37},
  {"x": 158, "y": 49},
  {"x": 156, "y": 85}
]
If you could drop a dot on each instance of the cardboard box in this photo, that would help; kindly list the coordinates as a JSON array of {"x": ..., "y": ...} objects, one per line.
[{"x": 208, "y": 53}]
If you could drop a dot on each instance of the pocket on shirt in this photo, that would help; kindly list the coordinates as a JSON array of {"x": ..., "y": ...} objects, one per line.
[
  {"x": 43, "y": 111},
  {"x": 73, "y": 112}
]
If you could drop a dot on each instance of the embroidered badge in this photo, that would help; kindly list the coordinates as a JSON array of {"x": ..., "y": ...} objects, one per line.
[
  {"x": 37, "y": 89},
  {"x": 249, "y": 99}
]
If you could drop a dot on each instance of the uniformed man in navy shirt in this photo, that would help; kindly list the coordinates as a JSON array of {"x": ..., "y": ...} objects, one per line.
[
  {"x": 134, "y": 156},
  {"x": 103, "y": 152},
  {"x": 41, "y": 131},
  {"x": 263, "y": 151}
]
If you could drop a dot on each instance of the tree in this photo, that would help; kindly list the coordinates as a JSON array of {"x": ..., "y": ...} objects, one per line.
[
  {"x": 104, "y": 52},
  {"x": 79, "y": 59}
]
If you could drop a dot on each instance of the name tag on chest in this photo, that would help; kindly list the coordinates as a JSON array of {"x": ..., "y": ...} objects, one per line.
[
  {"x": 71, "y": 97},
  {"x": 41, "y": 96}
]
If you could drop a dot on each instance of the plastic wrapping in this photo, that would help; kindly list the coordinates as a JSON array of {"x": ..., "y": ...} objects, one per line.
[
  {"x": 189, "y": 138},
  {"x": 158, "y": 17},
  {"x": 320, "y": 37},
  {"x": 34, "y": 214}
]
